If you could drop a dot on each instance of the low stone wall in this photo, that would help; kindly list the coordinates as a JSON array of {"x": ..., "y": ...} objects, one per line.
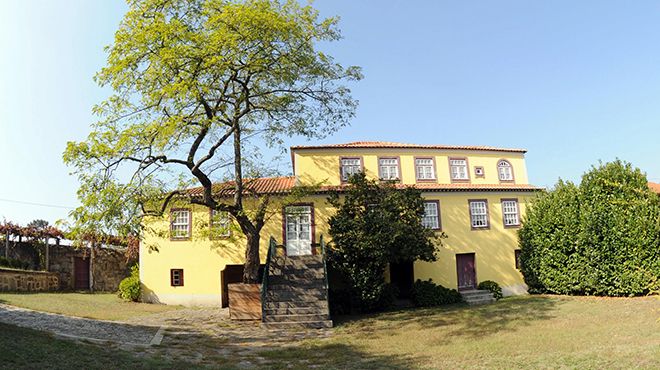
[{"x": 28, "y": 281}]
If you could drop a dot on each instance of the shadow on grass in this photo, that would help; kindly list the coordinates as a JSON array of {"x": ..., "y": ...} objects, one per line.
[{"x": 457, "y": 320}]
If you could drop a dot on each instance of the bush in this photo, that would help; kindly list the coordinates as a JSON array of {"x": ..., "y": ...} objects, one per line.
[
  {"x": 428, "y": 294},
  {"x": 599, "y": 238},
  {"x": 129, "y": 288},
  {"x": 491, "y": 286},
  {"x": 14, "y": 263}
]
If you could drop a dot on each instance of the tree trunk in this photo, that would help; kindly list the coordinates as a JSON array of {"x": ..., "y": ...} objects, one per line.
[{"x": 251, "y": 268}]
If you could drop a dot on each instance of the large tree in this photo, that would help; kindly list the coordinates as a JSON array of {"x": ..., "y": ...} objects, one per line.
[{"x": 192, "y": 80}]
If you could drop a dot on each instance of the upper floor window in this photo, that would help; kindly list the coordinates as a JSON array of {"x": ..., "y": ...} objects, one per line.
[
  {"x": 180, "y": 223},
  {"x": 458, "y": 168},
  {"x": 388, "y": 168},
  {"x": 505, "y": 170},
  {"x": 424, "y": 169},
  {"x": 510, "y": 212},
  {"x": 349, "y": 167},
  {"x": 220, "y": 224},
  {"x": 479, "y": 214},
  {"x": 431, "y": 217}
]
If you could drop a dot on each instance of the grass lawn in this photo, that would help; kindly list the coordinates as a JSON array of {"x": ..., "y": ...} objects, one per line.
[
  {"x": 104, "y": 306},
  {"x": 521, "y": 332},
  {"x": 29, "y": 349}
]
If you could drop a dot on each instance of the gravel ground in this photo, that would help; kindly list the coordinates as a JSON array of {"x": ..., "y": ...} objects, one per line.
[{"x": 124, "y": 333}]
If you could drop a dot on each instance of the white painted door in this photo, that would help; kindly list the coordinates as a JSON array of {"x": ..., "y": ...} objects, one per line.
[{"x": 298, "y": 230}]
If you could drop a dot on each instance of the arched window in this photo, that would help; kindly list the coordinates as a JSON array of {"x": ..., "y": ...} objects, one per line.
[{"x": 505, "y": 170}]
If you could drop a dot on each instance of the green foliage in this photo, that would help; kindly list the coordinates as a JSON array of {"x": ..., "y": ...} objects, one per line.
[
  {"x": 377, "y": 224},
  {"x": 129, "y": 288},
  {"x": 491, "y": 286},
  {"x": 599, "y": 238},
  {"x": 14, "y": 263},
  {"x": 425, "y": 293}
]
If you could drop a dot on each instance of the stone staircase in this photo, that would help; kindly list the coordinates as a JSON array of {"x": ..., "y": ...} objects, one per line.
[
  {"x": 296, "y": 295},
  {"x": 475, "y": 297}
]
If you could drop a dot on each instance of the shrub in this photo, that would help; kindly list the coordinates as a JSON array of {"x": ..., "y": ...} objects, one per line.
[
  {"x": 14, "y": 263},
  {"x": 425, "y": 293},
  {"x": 599, "y": 238},
  {"x": 129, "y": 288},
  {"x": 491, "y": 286}
]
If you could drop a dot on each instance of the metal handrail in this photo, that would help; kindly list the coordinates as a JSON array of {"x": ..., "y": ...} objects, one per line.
[
  {"x": 325, "y": 272},
  {"x": 272, "y": 245}
]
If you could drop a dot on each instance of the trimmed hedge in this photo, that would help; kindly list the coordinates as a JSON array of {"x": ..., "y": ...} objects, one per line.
[
  {"x": 491, "y": 286},
  {"x": 599, "y": 238},
  {"x": 425, "y": 293}
]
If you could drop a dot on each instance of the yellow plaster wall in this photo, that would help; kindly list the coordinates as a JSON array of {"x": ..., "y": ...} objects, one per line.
[{"x": 312, "y": 166}]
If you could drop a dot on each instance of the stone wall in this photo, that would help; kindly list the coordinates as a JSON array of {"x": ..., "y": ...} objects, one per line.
[
  {"x": 28, "y": 281},
  {"x": 108, "y": 267}
]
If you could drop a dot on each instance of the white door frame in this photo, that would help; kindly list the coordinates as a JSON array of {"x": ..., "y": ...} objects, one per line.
[{"x": 298, "y": 229}]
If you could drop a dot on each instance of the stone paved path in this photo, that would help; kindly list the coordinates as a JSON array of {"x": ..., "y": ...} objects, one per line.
[{"x": 79, "y": 328}]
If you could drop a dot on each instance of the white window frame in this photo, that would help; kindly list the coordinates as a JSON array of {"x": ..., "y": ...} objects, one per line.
[
  {"x": 220, "y": 224},
  {"x": 298, "y": 229},
  {"x": 424, "y": 169},
  {"x": 349, "y": 166},
  {"x": 479, "y": 214},
  {"x": 178, "y": 225},
  {"x": 431, "y": 220},
  {"x": 458, "y": 169},
  {"x": 510, "y": 212},
  {"x": 504, "y": 170},
  {"x": 388, "y": 168}
]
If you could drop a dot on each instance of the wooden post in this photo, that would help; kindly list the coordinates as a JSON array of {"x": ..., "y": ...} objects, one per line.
[
  {"x": 91, "y": 267},
  {"x": 47, "y": 254}
]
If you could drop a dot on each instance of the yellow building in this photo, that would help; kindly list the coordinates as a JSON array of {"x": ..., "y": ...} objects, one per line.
[{"x": 476, "y": 195}]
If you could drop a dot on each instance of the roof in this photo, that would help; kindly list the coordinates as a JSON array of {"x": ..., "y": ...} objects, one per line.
[
  {"x": 391, "y": 145},
  {"x": 283, "y": 185},
  {"x": 654, "y": 186}
]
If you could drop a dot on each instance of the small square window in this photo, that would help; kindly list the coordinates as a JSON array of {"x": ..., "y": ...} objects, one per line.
[
  {"x": 176, "y": 277},
  {"x": 479, "y": 171}
]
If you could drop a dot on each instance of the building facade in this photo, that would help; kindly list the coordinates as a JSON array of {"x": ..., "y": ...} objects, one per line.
[{"x": 476, "y": 195}]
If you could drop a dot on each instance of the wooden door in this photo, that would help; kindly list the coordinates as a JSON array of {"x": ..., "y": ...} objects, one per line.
[
  {"x": 467, "y": 276},
  {"x": 81, "y": 273}
]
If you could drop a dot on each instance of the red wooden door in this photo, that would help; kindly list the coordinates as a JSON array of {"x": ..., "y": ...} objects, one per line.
[
  {"x": 467, "y": 277},
  {"x": 81, "y": 273}
]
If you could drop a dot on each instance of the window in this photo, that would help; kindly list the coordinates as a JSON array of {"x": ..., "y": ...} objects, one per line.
[
  {"x": 516, "y": 254},
  {"x": 424, "y": 169},
  {"x": 220, "y": 224},
  {"x": 431, "y": 217},
  {"x": 388, "y": 168},
  {"x": 349, "y": 167},
  {"x": 504, "y": 170},
  {"x": 479, "y": 214},
  {"x": 180, "y": 224},
  {"x": 479, "y": 171},
  {"x": 510, "y": 212},
  {"x": 458, "y": 169},
  {"x": 298, "y": 232},
  {"x": 176, "y": 277}
]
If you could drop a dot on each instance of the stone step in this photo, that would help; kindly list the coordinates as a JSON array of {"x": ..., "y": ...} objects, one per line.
[
  {"x": 296, "y": 311},
  {"x": 313, "y": 290},
  {"x": 296, "y": 318},
  {"x": 296, "y": 278},
  {"x": 471, "y": 292},
  {"x": 474, "y": 302},
  {"x": 271, "y": 305},
  {"x": 298, "y": 325},
  {"x": 298, "y": 270},
  {"x": 288, "y": 296}
]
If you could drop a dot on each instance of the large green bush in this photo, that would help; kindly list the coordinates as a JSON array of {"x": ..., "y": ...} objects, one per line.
[
  {"x": 598, "y": 238},
  {"x": 425, "y": 293},
  {"x": 129, "y": 288}
]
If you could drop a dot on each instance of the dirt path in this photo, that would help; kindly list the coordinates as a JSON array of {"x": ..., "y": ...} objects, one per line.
[{"x": 79, "y": 328}]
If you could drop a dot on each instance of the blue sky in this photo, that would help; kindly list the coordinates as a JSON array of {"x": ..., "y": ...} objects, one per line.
[{"x": 572, "y": 82}]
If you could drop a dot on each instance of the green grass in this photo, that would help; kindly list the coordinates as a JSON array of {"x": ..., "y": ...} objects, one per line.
[
  {"x": 522, "y": 332},
  {"x": 29, "y": 349},
  {"x": 103, "y": 306}
]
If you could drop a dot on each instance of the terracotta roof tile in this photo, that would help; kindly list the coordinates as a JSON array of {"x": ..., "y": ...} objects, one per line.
[
  {"x": 282, "y": 185},
  {"x": 387, "y": 144},
  {"x": 654, "y": 186}
]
